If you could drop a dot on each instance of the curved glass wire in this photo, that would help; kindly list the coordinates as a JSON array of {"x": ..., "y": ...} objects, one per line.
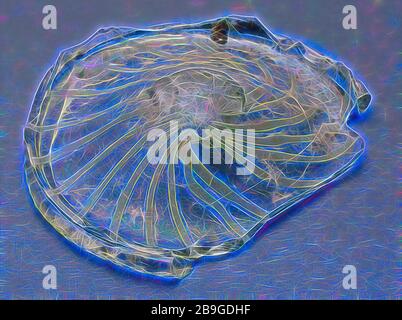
[{"x": 86, "y": 138}]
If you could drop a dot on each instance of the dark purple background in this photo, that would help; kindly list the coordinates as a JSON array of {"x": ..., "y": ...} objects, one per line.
[{"x": 356, "y": 221}]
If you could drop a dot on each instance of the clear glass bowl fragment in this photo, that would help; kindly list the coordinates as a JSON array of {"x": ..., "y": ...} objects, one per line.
[{"x": 86, "y": 138}]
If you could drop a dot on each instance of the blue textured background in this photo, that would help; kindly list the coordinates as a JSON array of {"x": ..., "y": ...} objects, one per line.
[{"x": 356, "y": 221}]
